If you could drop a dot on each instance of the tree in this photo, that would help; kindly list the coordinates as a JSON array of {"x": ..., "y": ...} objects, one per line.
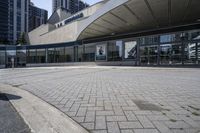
[{"x": 22, "y": 39}]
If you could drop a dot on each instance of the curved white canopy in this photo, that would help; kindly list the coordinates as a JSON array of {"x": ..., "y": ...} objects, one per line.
[{"x": 119, "y": 16}]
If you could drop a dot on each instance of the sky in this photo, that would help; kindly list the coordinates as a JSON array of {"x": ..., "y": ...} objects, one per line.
[{"x": 47, "y": 4}]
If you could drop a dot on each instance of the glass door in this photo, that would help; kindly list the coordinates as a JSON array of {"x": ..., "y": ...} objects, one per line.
[{"x": 11, "y": 60}]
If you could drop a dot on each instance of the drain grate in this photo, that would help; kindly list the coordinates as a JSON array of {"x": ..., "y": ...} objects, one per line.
[{"x": 144, "y": 105}]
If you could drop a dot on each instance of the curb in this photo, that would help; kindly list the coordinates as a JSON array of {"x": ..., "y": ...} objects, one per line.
[{"x": 39, "y": 115}]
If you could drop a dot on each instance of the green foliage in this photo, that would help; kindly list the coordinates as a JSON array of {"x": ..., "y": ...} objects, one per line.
[{"x": 22, "y": 39}]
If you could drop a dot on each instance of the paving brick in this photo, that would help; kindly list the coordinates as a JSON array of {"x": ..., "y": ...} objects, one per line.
[
  {"x": 177, "y": 124},
  {"x": 113, "y": 127},
  {"x": 157, "y": 117},
  {"x": 145, "y": 122},
  {"x": 90, "y": 116},
  {"x": 116, "y": 118},
  {"x": 161, "y": 127},
  {"x": 128, "y": 125},
  {"x": 89, "y": 126},
  {"x": 100, "y": 122},
  {"x": 99, "y": 131},
  {"x": 79, "y": 119},
  {"x": 94, "y": 97},
  {"x": 81, "y": 111},
  {"x": 146, "y": 131},
  {"x": 127, "y": 131},
  {"x": 190, "y": 122},
  {"x": 74, "y": 107},
  {"x": 104, "y": 113},
  {"x": 130, "y": 116}
]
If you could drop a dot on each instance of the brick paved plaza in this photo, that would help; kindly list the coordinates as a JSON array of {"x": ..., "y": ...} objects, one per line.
[{"x": 118, "y": 99}]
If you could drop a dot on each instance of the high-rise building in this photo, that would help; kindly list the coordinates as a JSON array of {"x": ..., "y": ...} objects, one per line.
[
  {"x": 18, "y": 19},
  {"x": 15, "y": 19},
  {"x": 72, "y": 6},
  {"x": 3, "y": 21},
  {"x": 37, "y": 16}
]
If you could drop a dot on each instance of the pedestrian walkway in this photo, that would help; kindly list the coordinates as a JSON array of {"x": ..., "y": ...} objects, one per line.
[{"x": 118, "y": 99}]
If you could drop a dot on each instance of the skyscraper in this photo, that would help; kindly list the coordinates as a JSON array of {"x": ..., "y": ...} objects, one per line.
[
  {"x": 3, "y": 21},
  {"x": 15, "y": 19},
  {"x": 37, "y": 16},
  {"x": 18, "y": 19},
  {"x": 72, "y": 6}
]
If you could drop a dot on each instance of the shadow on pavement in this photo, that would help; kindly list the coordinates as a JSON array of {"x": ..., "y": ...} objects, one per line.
[{"x": 3, "y": 96}]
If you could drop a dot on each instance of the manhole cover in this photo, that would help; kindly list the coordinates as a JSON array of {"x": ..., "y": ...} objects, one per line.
[{"x": 144, "y": 105}]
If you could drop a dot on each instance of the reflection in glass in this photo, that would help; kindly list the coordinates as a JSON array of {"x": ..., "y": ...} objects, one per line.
[
  {"x": 80, "y": 53},
  {"x": 130, "y": 50},
  {"x": 69, "y": 54},
  {"x": 195, "y": 35},
  {"x": 2, "y": 57},
  {"x": 51, "y": 55},
  {"x": 198, "y": 52},
  {"x": 59, "y": 55},
  {"x": 10, "y": 54},
  {"x": 176, "y": 57},
  {"x": 115, "y": 51},
  {"x": 149, "y": 55},
  {"x": 41, "y": 55},
  {"x": 165, "y": 53},
  {"x": 189, "y": 53},
  {"x": 89, "y": 53},
  {"x": 149, "y": 40},
  {"x": 31, "y": 56},
  {"x": 21, "y": 57}
]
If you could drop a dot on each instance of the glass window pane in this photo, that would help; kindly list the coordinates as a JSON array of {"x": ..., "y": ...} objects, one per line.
[
  {"x": 130, "y": 50},
  {"x": 69, "y": 54},
  {"x": 194, "y": 35},
  {"x": 89, "y": 53},
  {"x": 31, "y": 56},
  {"x": 165, "y": 54},
  {"x": 149, "y": 54},
  {"x": 198, "y": 52},
  {"x": 167, "y": 38},
  {"x": 59, "y": 55},
  {"x": 21, "y": 57},
  {"x": 115, "y": 51},
  {"x": 189, "y": 53},
  {"x": 80, "y": 53},
  {"x": 51, "y": 55},
  {"x": 41, "y": 55},
  {"x": 2, "y": 57},
  {"x": 149, "y": 40},
  {"x": 176, "y": 53}
]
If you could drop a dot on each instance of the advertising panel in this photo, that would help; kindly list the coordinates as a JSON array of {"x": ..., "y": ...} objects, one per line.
[
  {"x": 101, "y": 52},
  {"x": 130, "y": 50}
]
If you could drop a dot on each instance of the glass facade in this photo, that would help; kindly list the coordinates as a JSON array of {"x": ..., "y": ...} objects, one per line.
[
  {"x": 115, "y": 50},
  {"x": 41, "y": 56},
  {"x": 89, "y": 53},
  {"x": 168, "y": 49},
  {"x": 21, "y": 57},
  {"x": 60, "y": 55},
  {"x": 2, "y": 57},
  {"x": 31, "y": 56},
  {"x": 69, "y": 54}
]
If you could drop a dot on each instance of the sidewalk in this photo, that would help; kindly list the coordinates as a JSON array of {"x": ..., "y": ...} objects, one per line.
[{"x": 40, "y": 116}]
